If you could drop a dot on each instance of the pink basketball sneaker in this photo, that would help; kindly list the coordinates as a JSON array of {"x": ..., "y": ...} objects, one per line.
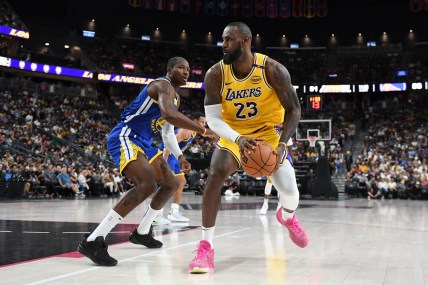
[
  {"x": 296, "y": 232},
  {"x": 204, "y": 260}
]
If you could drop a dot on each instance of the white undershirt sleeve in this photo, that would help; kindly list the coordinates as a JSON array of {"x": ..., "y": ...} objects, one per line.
[
  {"x": 170, "y": 140},
  {"x": 216, "y": 123}
]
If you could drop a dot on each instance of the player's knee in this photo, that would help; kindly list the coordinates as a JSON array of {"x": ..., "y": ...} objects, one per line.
[
  {"x": 170, "y": 183},
  {"x": 146, "y": 187},
  {"x": 218, "y": 173}
]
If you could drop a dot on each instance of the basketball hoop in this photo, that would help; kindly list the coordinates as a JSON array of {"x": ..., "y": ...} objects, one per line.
[{"x": 312, "y": 140}]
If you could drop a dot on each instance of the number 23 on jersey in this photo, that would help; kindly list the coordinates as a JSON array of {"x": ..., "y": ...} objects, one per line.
[{"x": 246, "y": 111}]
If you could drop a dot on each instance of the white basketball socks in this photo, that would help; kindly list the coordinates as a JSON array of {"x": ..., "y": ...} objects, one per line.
[
  {"x": 175, "y": 208},
  {"x": 147, "y": 221},
  {"x": 208, "y": 234},
  {"x": 106, "y": 225}
]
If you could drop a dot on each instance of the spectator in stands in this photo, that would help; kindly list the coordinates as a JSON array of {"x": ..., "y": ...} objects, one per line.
[
  {"x": 230, "y": 187},
  {"x": 348, "y": 160},
  {"x": 118, "y": 179},
  {"x": 373, "y": 189},
  {"x": 392, "y": 187},
  {"x": 65, "y": 183},
  {"x": 383, "y": 187},
  {"x": 362, "y": 185},
  {"x": 414, "y": 190},
  {"x": 83, "y": 184},
  {"x": 109, "y": 181}
]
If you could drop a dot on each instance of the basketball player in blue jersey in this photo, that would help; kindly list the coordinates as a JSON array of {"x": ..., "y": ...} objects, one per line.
[
  {"x": 184, "y": 138},
  {"x": 246, "y": 96},
  {"x": 129, "y": 144}
]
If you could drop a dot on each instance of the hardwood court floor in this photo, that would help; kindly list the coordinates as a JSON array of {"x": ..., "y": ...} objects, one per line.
[{"x": 352, "y": 241}]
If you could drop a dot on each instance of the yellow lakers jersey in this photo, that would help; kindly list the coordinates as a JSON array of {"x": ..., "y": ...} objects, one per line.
[{"x": 249, "y": 105}]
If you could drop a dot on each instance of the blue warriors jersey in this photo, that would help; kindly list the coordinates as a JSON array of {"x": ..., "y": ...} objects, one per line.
[
  {"x": 143, "y": 115},
  {"x": 140, "y": 122}
]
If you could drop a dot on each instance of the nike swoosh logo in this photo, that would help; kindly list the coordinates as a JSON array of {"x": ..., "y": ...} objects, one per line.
[{"x": 228, "y": 83}]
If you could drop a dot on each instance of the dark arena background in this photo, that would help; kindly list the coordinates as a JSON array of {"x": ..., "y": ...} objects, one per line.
[{"x": 360, "y": 70}]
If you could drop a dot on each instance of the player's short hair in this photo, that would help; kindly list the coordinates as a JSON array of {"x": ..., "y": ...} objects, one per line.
[
  {"x": 242, "y": 28},
  {"x": 173, "y": 61},
  {"x": 197, "y": 115}
]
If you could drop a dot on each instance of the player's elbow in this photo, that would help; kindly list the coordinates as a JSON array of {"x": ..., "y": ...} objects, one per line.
[{"x": 169, "y": 117}]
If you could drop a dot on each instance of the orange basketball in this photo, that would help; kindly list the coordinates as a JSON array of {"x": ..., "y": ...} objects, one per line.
[{"x": 260, "y": 162}]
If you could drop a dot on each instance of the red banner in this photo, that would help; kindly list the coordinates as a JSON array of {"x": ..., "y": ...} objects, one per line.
[
  {"x": 185, "y": 6},
  {"x": 309, "y": 9},
  {"x": 284, "y": 8},
  {"x": 197, "y": 6},
  {"x": 321, "y": 8},
  {"x": 172, "y": 5},
  {"x": 297, "y": 8},
  {"x": 272, "y": 8},
  {"x": 247, "y": 8},
  {"x": 235, "y": 8},
  {"x": 259, "y": 8}
]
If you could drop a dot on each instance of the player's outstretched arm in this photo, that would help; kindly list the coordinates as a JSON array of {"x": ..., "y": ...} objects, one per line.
[{"x": 165, "y": 96}]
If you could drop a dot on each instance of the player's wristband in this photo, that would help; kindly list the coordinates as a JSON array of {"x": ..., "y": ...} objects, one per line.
[
  {"x": 285, "y": 145},
  {"x": 237, "y": 139},
  {"x": 205, "y": 131},
  {"x": 285, "y": 148}
]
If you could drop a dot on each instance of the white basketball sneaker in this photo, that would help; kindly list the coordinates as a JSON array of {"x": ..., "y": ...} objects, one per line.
[
  {"x": 264, "y": 209},
  {"x": 177, "y": 217},
  {"x": 160, "y": 220}
]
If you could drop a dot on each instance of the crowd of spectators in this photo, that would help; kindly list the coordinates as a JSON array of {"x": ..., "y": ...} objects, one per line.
[
  {"x": 41, "y": 130},
  {"x": 393, "y": 163},
  {"x": 307, "y": 66},
  {"x": 368, "y": 66},
  {"x": 9, "y": 18}
]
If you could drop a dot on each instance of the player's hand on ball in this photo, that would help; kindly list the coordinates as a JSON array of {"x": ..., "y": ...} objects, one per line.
[
  {"x": 184, "y": 165},
  {"x": 246, "y": 144}
]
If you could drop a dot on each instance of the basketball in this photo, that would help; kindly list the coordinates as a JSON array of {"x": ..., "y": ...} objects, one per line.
[{"x": 260, "y": 162}]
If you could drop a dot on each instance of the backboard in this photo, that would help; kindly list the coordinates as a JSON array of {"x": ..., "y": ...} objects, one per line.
[{"x": 321, "y": 128}]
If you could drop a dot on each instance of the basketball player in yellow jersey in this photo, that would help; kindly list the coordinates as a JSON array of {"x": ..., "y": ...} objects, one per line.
[{"x": 246, "y": 95}]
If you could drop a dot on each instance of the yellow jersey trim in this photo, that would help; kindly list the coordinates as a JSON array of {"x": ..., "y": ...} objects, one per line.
[
  {"x": 264, "y": 72},
  {"x": 155, "y": 156},
  {"x": 231, "y": 152},
  {"x": 222, "y": 76}
]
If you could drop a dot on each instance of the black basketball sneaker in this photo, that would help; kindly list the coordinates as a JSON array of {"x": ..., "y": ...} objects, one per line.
[
  {"x": 147, "y": 240},
  {"x": 96, "y": 251}
]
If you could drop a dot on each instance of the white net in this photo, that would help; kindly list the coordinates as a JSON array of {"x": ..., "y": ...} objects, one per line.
[{"x": 312, "y": 140}]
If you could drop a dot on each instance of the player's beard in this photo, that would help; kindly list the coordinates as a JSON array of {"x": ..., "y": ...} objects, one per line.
[{"x": 232, "y": 57}]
